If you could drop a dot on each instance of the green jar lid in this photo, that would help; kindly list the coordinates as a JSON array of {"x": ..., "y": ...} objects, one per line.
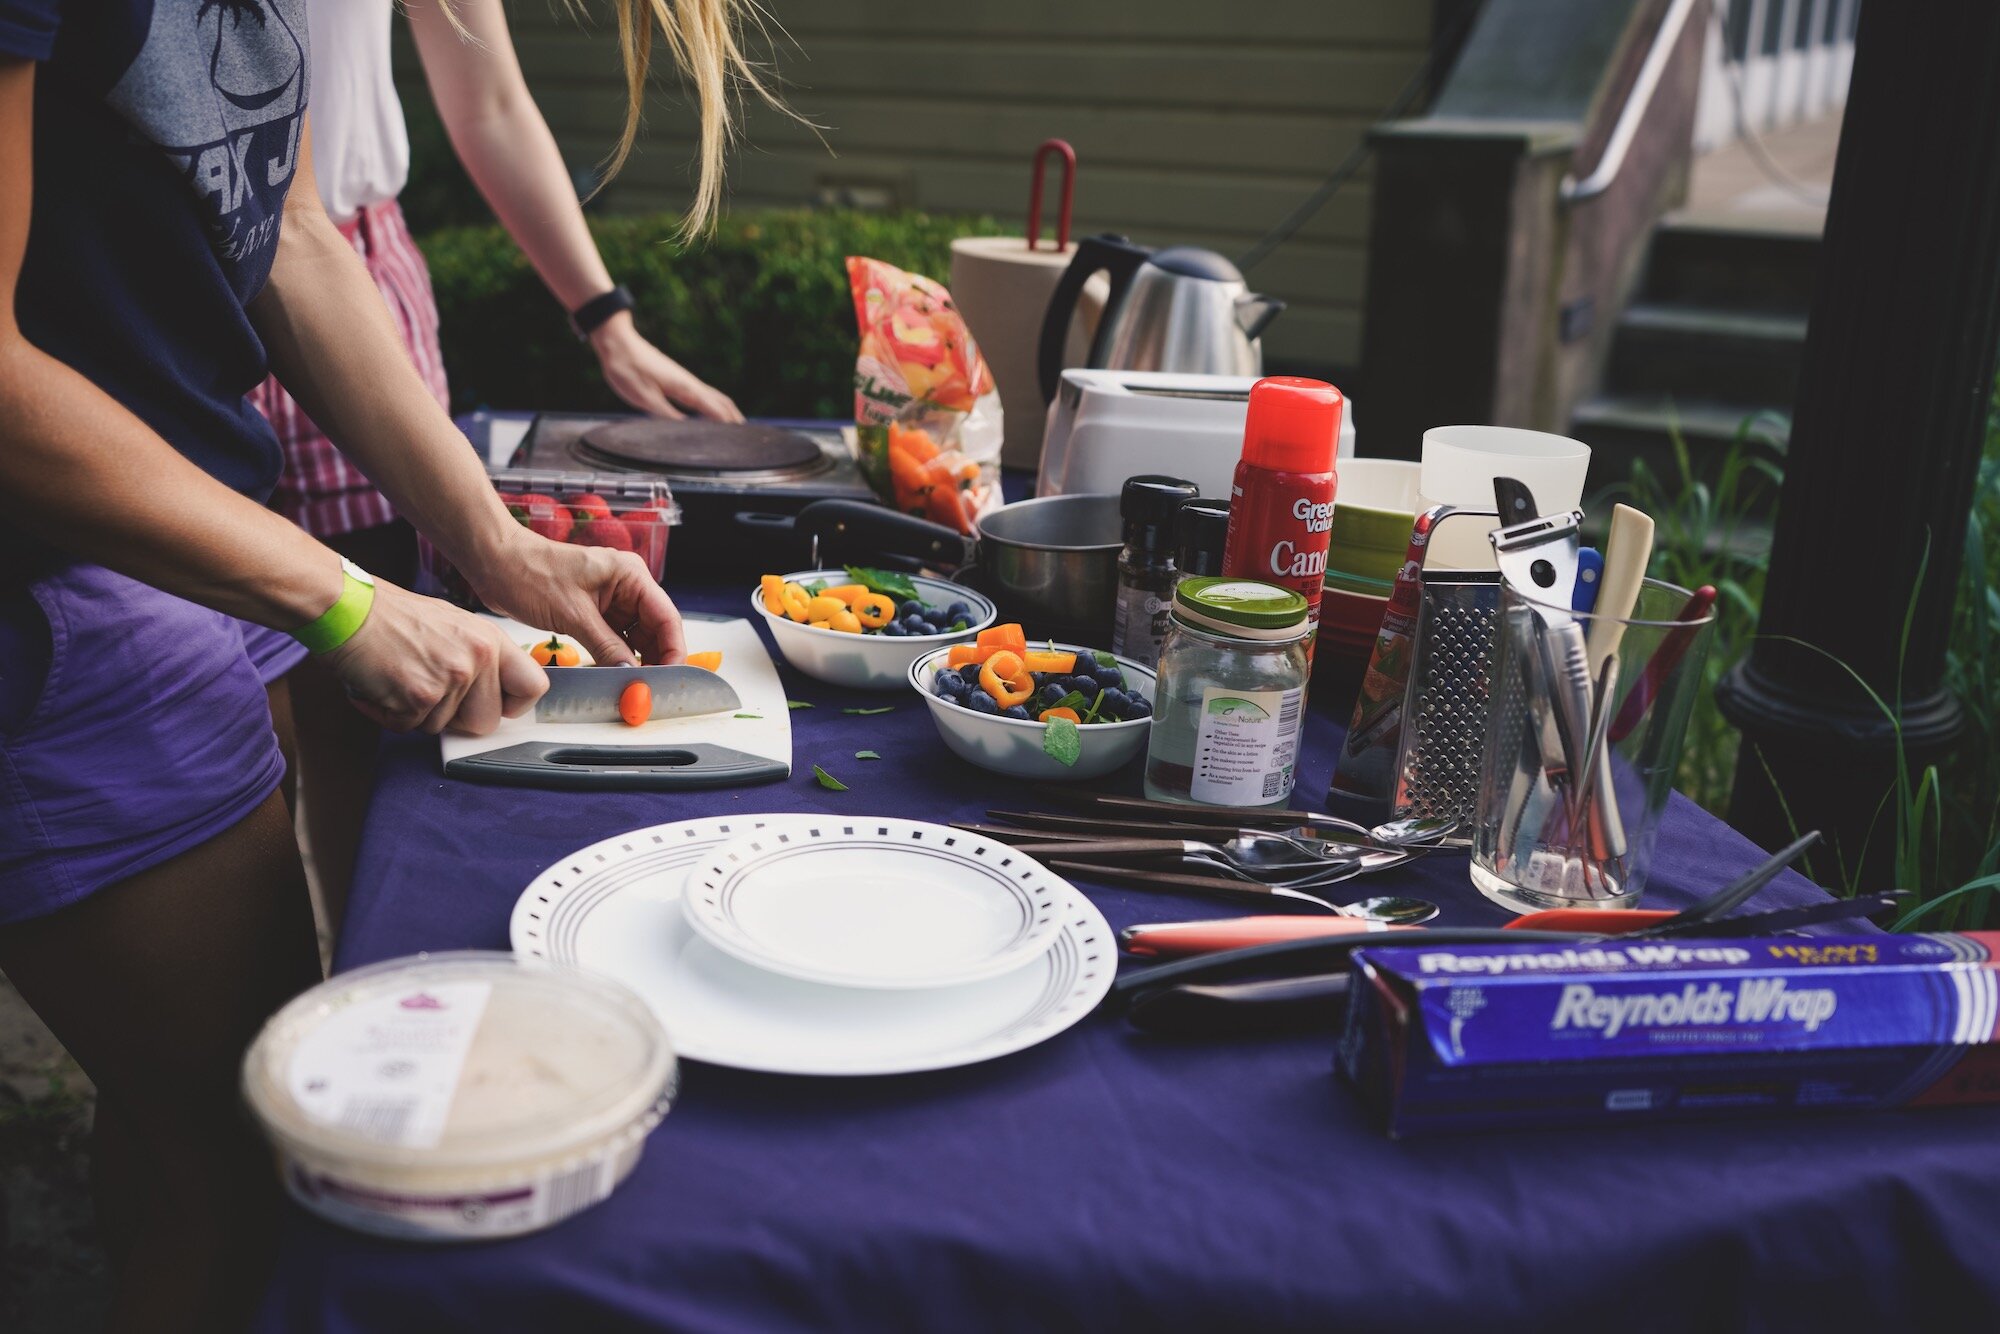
[{"x": 1245, "y": 604}]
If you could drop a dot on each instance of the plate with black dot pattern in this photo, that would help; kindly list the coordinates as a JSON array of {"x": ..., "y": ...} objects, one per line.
[
  {"x": 875, "y": 903},
  {"x": 615, "y": 907}
]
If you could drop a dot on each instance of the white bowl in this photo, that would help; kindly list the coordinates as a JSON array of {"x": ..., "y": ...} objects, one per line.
[
  {"x": 1013, "y": 746},
  {"x": 868, "y": 662}
]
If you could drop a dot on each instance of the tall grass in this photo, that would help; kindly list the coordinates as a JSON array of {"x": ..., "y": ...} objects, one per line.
[
  {"x": 1704, "y": 533},
  {"x": 1945, "y": 819}
]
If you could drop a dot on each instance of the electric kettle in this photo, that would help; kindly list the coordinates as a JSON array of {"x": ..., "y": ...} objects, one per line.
[{"x": 1177, "y": 309}]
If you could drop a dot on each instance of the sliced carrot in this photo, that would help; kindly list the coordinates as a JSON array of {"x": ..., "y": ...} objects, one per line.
[
  {"x": 1044, "y": 661},
  {"x": 712, "y": 660},
  {"x": 1009, "y": 635},
  {"x": 1070, "y": 714}
]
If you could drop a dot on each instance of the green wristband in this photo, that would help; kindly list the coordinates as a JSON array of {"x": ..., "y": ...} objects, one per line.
[{"x": 337, "y": 624}]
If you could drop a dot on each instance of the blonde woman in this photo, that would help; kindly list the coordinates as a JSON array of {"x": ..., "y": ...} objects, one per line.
[
  {"x": 163, "y": 246},
  {"x": 361, "y": 157}
]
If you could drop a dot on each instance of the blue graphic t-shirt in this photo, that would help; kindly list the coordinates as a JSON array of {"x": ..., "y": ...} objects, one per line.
[{"x": 166, "y": 135}]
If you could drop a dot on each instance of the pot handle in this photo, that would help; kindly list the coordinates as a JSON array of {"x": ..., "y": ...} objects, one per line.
[
  {"x": 853, "y": 528},
  {"x": 1117, "y": 257}
]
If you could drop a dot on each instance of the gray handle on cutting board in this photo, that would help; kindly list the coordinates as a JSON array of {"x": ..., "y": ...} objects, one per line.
[{"x": 701, "y": 764}]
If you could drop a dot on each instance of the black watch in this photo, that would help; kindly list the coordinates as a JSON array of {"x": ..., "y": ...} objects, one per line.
[{"x": 587, "y": 318}]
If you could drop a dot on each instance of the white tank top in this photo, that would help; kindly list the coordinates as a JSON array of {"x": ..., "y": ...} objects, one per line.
[{"x": 361, "y": 152}]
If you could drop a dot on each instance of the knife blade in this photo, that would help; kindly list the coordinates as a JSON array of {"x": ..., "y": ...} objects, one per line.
[{"x": 590, "y": 694}]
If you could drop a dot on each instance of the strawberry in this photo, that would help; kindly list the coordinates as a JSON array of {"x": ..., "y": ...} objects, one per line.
[
  {"x": 601, "y": 532},
  {"x": 590, "y": 503},
  {"x": 544, "y": 515}
]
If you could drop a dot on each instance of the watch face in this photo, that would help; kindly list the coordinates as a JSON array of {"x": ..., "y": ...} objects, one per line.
[{"x": 356, "y": 573}]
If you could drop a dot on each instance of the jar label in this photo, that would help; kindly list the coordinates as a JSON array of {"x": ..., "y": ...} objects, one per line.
[
  {"x": 1140, "y": 625},
  {"x": 1246, "y": 745},
  {"x": 386, "y": 1068}
]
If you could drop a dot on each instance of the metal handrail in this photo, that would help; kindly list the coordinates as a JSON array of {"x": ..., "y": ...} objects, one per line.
[{"x": 1612, "y": 160}]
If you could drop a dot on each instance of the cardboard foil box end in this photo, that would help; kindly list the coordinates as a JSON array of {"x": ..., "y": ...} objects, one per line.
[{"x": 1444, "y": 1038}]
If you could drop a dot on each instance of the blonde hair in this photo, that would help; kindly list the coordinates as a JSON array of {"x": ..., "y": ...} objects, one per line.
[{"x": 705, "y": 40}]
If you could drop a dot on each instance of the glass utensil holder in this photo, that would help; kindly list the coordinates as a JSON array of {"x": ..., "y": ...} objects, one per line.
[{"x": 1572, "y": 786}]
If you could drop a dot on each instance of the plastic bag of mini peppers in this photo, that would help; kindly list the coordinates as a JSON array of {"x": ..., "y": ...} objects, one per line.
[{"x": 926, "y": 414}]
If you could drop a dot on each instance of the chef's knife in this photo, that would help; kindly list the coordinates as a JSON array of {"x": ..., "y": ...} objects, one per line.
[{"x": 591, "y": 694}]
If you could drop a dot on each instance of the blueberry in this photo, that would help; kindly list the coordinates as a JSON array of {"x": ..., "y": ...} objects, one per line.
[
  {"x": 958, "y": 611},
  {"x": 1115, "y": 701},
  {"x": 1041, "y": 679},
  {"x": 909, "y": 607},
  {"x": 1015, "y": 711},
  {"x": 1110, "y": 676},
  {"x": 948, "y": 680},
  {"x": 1052, "y": 696},
  {"x": 915, "y": 624},
  {"x": 1137, "y": 708},
  {"x": 892, "y": 629},
  {"x": 981, "y": 702}
]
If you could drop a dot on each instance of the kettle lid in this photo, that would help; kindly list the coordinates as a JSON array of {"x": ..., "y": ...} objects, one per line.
[{"x": 1186, "y": 261}]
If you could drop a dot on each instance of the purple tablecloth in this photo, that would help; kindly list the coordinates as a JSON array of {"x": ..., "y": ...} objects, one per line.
[{"x": 1107, "y": 1181}]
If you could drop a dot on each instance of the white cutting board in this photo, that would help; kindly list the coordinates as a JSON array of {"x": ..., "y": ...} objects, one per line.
[{"x": 746, "y": 665}]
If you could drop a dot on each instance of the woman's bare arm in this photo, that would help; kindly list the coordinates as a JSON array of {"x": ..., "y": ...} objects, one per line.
[
  {"x": 499, "y": 134},
  {"x": 333, "y": 345}
]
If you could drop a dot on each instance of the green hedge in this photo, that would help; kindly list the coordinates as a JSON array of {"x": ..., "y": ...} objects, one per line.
[{"x": 761, "y": 310}]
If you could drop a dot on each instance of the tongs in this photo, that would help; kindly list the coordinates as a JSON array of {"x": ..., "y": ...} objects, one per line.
[{"x": 1296, "y": 960}]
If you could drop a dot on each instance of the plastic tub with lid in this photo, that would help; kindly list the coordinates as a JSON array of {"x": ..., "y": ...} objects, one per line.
[{"x": 459, "y": 1096}]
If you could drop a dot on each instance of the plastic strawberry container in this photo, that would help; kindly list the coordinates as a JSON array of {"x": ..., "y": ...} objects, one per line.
[{"x": 634, "y": 514}]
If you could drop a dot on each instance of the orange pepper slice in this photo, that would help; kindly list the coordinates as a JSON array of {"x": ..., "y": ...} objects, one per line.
[
  {"x": 1070, "y": 714},
  {"x": 557, "y": 652},
  {"x": 969, "y": 655},
  {"x": 848, "y": 593},
  {"x": 1062, "y": 664},
  {"x": 712, "y": 660},
  {"x": 773, "y": 589},
  {"x": 635, "y": 703},
  {"x": 796, "y": 600},
  {"x": 1009, "y": 635},
  {"x": 876, "y": 610},
  {"x": 1004, "y": 678},
  {"x": 845, "y": 621}
]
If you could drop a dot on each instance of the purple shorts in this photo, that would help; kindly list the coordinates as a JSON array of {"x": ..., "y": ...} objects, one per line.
[{"x": 133, "y": 726}]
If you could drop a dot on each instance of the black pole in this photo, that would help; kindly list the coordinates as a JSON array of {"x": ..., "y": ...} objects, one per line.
[{"x": 1886, "y": 438}]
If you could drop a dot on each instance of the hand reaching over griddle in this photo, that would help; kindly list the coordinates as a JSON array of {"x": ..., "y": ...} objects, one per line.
[{"x": 652, "y": 381}]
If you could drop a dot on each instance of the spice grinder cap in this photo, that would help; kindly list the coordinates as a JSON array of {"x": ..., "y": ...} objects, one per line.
[
  {"x": 1243, "y": 607},
  {"x": 1201, "y": 529},
  {"x": 1148, "y": 504},
  {"x": 1293, "y": 424}
]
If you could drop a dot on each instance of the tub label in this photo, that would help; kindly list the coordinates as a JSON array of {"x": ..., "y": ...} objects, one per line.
[
  {"x": 1245, "y": 746},
  {"x": 386, "y": 1068}
]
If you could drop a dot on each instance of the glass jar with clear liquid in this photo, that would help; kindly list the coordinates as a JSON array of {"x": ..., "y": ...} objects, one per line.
[{"x": 1229, "y": 704}]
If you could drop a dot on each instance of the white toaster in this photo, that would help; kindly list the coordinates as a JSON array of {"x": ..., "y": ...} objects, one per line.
[{"x": 1105, "y": 426}]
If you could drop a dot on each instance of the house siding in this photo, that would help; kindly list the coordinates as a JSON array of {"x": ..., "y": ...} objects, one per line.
[{"x": 1193, "y": 123}]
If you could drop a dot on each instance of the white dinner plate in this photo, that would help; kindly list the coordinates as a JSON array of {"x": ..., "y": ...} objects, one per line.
[
  {"x": 615, "y": 907},
  {"x": 875, "y": 903}
]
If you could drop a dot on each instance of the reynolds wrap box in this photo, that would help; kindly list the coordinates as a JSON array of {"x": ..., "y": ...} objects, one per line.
[{"x": 1475, "y": 1036}]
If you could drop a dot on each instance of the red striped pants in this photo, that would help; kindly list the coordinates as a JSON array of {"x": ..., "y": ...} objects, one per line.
[{"x": 320, "y": 490}]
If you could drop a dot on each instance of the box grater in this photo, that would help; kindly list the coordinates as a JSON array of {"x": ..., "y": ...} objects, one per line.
[{"x": 1447, "y": 699}]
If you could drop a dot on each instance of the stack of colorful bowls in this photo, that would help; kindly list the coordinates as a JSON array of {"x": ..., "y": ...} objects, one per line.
[{"x": 1373, "y": 511}]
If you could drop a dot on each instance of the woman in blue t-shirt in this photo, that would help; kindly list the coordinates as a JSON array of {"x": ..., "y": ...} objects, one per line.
[{"x": 164, "y": 247}]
